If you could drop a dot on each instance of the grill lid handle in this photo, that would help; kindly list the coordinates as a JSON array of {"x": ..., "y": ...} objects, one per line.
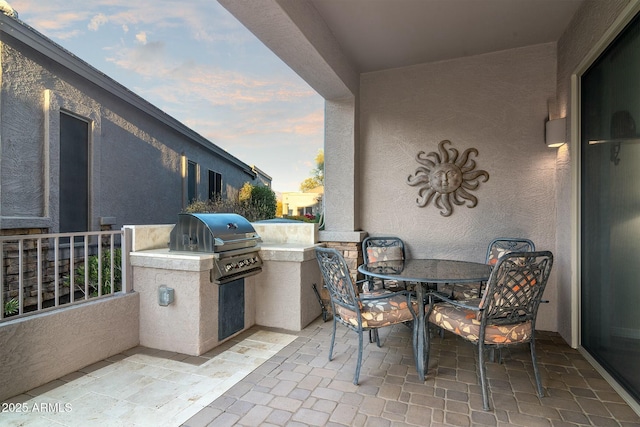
[{"x": 219, "y": 242}]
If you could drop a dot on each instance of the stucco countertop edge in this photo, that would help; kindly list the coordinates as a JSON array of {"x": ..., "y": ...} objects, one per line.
[
  {"x": 292, "y": 252},
  {"x": 172, "y": 260}
]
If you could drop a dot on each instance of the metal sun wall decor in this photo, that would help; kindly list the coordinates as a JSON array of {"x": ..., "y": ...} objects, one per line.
[{"x": 447, "y": 178}]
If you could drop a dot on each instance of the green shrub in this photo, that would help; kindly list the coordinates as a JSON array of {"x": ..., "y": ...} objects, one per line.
[
  {"x": 106, "y": 273},
  {"x": 264, "y": 199},
  {"x": 253, "y": 203},
  {"x": 11, "y": 307},
  {"x": 303, "y": 218}
]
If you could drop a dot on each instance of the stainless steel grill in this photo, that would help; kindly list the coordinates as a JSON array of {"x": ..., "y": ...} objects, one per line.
[{"x": 230, "y": 237}]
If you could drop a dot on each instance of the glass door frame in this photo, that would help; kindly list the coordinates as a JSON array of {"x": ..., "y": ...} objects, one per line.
[{"x": 625, "y": 17}]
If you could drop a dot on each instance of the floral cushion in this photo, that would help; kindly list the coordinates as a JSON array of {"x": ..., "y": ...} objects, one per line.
[
  {"x": 384, "y": 253},
  {"x": 376, "y": 313},
  {"x": 464, "y": 322},
  {"x": 496, "y": 254},
  {"x": 391, "y": 257},
  {"x": 376, "y": 284},
  {"x": 461, "y": 291},
  {"x": 501, "y": 248}
]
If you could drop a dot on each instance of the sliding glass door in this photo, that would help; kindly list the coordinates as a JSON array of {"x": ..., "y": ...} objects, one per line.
[{"x": 610, "y": 209}]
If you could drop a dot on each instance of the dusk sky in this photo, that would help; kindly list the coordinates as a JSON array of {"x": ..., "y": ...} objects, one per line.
[{"x": 196, "y": 62}]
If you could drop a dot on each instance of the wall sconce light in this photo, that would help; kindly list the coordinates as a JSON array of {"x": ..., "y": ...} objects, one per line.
[
  {"x": 555, "y": 132},
  {"x": 165, "y": 295}
]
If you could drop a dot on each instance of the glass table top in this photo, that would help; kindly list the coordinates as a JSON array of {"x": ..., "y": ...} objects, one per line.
[{"x": 428, "y": 270}]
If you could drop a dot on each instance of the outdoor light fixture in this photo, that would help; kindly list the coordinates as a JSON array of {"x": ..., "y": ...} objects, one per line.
[
  {"x": 165, "y": 295},
  {"x": 555, "y": 132}
]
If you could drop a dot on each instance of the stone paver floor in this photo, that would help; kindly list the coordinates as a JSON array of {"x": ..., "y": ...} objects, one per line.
[{"x": 300, "y": 387}]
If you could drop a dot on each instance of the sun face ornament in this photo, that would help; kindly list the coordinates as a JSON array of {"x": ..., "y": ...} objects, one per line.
[{"x": 447, "y": 178}]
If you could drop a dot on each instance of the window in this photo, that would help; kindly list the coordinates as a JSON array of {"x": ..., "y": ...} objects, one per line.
[
  {"x": 192, "y": 181},
  {"x": 74, "y": 174},
  {"x": 215, "y": 185},
  {"x": 307, "y": 210}
]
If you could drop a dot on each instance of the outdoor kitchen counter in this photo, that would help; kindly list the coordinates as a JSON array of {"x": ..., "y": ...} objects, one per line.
[
  {"x": 281, "y": 296},
  {"x": 284, "y": 290},
  {"x": 189, "y": 324}
]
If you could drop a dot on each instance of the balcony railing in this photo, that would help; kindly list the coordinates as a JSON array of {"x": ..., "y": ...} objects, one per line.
[{"x": 47, "y": 271}]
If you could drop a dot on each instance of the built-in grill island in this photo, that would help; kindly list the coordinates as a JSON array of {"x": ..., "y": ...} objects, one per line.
[
  {"x": 235, "y": 245},
  {"x": 230, "y": 237},
  {"x": 208, "y": 277}
]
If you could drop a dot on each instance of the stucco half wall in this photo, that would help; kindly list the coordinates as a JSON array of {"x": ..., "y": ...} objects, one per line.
[{"x": 47, "y": 346}]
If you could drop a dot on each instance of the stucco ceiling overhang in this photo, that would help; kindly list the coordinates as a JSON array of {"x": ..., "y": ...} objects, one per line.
[{"x": 359, "y": 36}]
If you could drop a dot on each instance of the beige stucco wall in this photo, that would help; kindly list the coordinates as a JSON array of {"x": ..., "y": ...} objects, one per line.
[
  {"x": 46, "y": 346},
  {"x": 496, "y": 103}
]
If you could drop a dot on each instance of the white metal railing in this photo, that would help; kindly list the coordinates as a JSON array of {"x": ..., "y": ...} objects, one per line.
[{"x": 47, "y": 271}]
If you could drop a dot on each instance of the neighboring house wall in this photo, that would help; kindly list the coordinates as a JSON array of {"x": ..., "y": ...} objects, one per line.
[
  {"x": 307, "y": 202},
  {"x": 261, "y": 177},
  {"x": 137, "y": 152}
]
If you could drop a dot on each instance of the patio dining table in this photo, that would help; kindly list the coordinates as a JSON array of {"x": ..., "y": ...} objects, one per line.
[{"x": 426, "y": 274}]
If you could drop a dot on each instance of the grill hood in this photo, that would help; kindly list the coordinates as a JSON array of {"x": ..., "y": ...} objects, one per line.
[{"x": 212, "y": 232}]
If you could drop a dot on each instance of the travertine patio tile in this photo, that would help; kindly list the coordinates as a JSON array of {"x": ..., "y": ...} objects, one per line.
[{"x": 144, "y": 387}]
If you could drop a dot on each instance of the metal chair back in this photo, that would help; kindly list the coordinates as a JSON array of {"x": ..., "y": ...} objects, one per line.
[
  {"x": 386, "y": 245},
  {"x": 515, "y": 288},
  {"x": 337, "y": 279},
  {"x": 503, "y": 245}
]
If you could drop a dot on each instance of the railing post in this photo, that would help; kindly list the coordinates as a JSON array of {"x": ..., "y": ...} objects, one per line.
[{"x": 127, "y": 272}]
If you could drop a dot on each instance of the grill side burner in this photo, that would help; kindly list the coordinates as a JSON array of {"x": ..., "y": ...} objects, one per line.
[{"x": 230, "y": 237}]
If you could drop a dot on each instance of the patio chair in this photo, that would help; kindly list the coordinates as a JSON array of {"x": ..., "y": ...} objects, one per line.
[
  {"x": 376, "y": 249},
  {"x": 361, "y": 312},
  {"x": 506, "y": 314},
  {"x": 497, "y": 248},
  {"x": 387, "y": 249}
]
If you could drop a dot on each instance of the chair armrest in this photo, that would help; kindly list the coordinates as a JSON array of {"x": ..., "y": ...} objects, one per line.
[
  {"x": 448, "y": 300},
  {"x": 373, "y": 297}
]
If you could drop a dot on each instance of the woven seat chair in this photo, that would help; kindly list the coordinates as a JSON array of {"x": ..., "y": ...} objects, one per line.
[
  {"x": 361, "y": 312},
  {"x": 497, "y": 248},
  {"x": 506, "y": 314}
]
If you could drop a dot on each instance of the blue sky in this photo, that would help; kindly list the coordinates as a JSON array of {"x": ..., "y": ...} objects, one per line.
[{"x": 196, "y": 62}]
